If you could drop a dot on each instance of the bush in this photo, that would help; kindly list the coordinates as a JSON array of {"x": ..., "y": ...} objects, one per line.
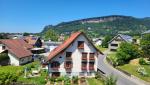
[
  {"x": 75, "y": 79},
  {"x": 6, "y": 78},
  {"x": 110, "y": 80},
  {"x": 142, "y": 71},
  {"x": 67, "y": 80},
  {"x": 3, "y": 56},
  {"x": 142, "y": 61},
  {"x": 126, "y": 52}
]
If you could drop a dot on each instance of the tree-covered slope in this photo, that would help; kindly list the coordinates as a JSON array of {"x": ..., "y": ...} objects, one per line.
[{"x": 100, "y": 26}]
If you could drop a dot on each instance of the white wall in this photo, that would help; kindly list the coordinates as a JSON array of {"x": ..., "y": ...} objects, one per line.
[
  {"x": 1, "y": 50},
  {"x": 76, "y": 57},
  {"x": 16, "y": 61},
  {"x": 13, "y": 60},
  {"x": 115, "y": 42}
]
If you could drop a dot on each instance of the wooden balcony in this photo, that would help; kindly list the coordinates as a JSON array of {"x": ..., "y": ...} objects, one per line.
[
  {"x": 68, "y": 66},
  {"x": 84, "y": 58},
  {"x": 54, "y": 68},
  {"x": 91, "y": 67},
  {"x": 81, "y": 44},
  {"x": 91, "y": 58},
  {"x": 84, "y": 68},
  {"x": 68, "y": 58}
]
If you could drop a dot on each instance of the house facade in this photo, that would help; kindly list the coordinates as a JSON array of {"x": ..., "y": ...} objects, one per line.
[
  {"x": 115, "y": 42},
  {"x": 77, "y": 56},
  {"x": 18, "y": 51}
]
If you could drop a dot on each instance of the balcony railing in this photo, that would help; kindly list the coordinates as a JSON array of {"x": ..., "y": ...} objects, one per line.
[
  {"x": 55, "y": 68},
  {"x": 84, "y": 58},
  {"x": 91, "y": 67},
  {"x": 68, "y": 66},
  {"x": 68, "y": 58},
  {"x": 84, "y": 68},
  {"x": 91, "y": 58}
]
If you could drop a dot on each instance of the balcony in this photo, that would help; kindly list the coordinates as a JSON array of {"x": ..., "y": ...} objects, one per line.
[
  {"x": 91, "y": 67},
  {"x": 68, "y": 66},
  {"x": 68, "y": 58},
  {"x": 84, "y": 68},
  {"x": 54, "y": 68},
  {"x": 84, "y": 58},
  {"x": 91, "y": 58},
  {"x": 81, "y": 44}
]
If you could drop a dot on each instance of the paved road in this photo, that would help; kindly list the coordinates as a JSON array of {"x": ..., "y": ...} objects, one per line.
[{"x": 122, "y": 78}]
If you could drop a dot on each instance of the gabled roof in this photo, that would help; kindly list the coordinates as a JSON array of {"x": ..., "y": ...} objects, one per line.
[
  {"x": 18, "y": 47},
  {"x": 66, "y": 44},
  {"x": 126, "y": 38},
  {"x": 146, "y": 32},
  {"x": 31, "y": 39}
]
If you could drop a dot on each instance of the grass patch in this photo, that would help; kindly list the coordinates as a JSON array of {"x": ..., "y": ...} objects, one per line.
[
  {"x": 93, "y": 81},
  {"x": 101, "y": 48},
  {"x": 132, "y": 69},
  {"x": 19, "y": 70}
]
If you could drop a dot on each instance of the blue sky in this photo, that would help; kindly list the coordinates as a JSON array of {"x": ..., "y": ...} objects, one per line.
[{"x": 33, "y": 15}]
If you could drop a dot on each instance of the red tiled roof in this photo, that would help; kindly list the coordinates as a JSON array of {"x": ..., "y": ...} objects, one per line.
[
  {"x": 31, "y": 40},
  {"x": 18, "y": 47},
  {"x": 65, "y": 44}
]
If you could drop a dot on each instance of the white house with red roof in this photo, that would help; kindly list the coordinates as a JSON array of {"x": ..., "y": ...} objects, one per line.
[
  {"x": 77, "y": 56},
  {"x": 18, "y": 51}
]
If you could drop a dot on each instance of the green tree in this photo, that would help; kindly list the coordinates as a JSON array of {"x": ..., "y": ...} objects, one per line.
[
  {"x": 26, "y": 34},
  {"x": 145, "y": 45},
  {"x": 126, "y": 52},
  {"x": 51, "y": 35},
  {"x": 106, "y": 40}
]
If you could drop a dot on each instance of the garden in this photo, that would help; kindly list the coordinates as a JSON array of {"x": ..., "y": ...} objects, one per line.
[{"x": 131, "y": 60}]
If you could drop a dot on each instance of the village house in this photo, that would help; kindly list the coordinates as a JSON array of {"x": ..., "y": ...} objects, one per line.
[
  {"x": 18, "y": 51},
  {"x": 37, "y": 44},
  {"x": 76, "y": 56},
  {"x": 115, "y": 42},
  {"x": 97, "y": 41}
]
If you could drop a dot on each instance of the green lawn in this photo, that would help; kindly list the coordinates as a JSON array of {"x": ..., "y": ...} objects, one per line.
[
  {"x": 132, "y": 69},
  {"x": 19, "y": 70},
  {"x": 93, "y": 81},
  {"x": 101, "y": 48}
]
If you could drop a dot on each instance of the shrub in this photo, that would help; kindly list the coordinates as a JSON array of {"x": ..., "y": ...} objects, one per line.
[
  {"x": 67, "y": 80},
  {"x": 75, "y": 79},
  {"x": 126, "y": 52},
  {"x": 142, "y": 71},
  {"x": 6, "y": 78},
  {"x": 110, "y": 80},
  {"x": 142, "y": 61},
  {"x": 3, "y": 56}
]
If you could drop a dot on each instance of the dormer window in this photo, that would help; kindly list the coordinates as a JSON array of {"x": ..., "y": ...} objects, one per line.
[{"x": 81, "y": 44}]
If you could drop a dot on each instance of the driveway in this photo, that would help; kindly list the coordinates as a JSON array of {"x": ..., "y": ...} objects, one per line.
[{"x": 122, "y": 78}]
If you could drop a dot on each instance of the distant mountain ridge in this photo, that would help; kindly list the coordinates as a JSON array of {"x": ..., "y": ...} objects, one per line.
[{"x": 106, "y": 25}]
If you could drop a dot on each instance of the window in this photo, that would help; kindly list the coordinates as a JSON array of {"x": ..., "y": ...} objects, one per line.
[
  {"x": 3, "y": 47},
  {"x": 113, "y": 49},
  {"x": 68, "y": 64},
  {"x": 55, "y": 64},
  {"x": 81, "y": 44},
  {"x": 92, "y": 56},
  {"x": 84, "y": 66},
  {"x": 68, "y": 55},
  {"x": 84, "y": 56},
  {"x": 91, "y": 66},
  {"x": 114, "y": 45}
]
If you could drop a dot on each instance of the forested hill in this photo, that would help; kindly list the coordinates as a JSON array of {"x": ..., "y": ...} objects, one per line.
[{"x": 106, "y": 25}]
